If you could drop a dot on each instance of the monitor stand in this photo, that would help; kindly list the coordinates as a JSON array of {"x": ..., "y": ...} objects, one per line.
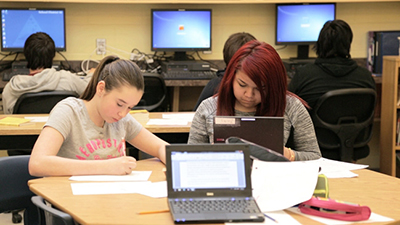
[
  {"x": 302, "y": 54},
  {"x": 180, "y": 56}
]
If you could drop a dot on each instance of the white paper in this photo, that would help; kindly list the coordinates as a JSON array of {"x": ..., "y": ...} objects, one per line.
[
  {"x": 281, "y": 217},
  {"x": 372, "y": 219},
  {"x": 156, "y": 190},
  {"x": 337, "y": 169},
  {"x": 103, "y": 188},
  {"x": 37, "y": 119},
  {"x": 280, "y": 185},
  {"x": 134, "y": 176},
  {"x": 167, "y": 122},
  {"x": 179, "y": 116}
]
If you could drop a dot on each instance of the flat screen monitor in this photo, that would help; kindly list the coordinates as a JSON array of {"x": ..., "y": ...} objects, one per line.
[
  {"x": 180, "y": 30},
  {"x": 18, "y": 24},
  {"x": 300, "y": 24}
]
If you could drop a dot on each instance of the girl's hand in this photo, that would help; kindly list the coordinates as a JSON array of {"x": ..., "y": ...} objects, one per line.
[
  {"x": 122, "y": 165},
  {"x": 289, "y": 154}
]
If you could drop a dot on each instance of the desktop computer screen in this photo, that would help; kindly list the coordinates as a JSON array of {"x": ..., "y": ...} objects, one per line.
[
  {"x": 18, "y": 24},
  {"x": 180, "y": 30},
  {"x": 300, "y": 24}
]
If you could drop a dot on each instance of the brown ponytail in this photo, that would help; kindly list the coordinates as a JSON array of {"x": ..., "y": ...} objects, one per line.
[{"x": 114, "y": 72}]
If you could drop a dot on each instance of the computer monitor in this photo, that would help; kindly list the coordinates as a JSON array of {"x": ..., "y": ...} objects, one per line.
[
  {"x": 180, "y": 30},
  {"x": 17, "y": 24},
  {"x": 300, "y": 24}
]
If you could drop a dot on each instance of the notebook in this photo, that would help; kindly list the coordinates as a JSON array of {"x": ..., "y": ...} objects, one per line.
[
  {"x": 214, "y": 177},
  {"x": 262, "y": 130}
]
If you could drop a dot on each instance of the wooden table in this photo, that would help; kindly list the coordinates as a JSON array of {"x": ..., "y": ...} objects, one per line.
[
  {"x": 380, "y": 192},
  {"x": 23, "y": 137}
]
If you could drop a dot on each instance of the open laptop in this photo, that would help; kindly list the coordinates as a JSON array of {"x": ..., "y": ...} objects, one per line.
[
  {"x": 200, "y": 175},
  {"x": 261, "y": 130}
]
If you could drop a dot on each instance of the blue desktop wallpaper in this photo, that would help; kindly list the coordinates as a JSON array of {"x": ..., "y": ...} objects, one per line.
[
  {"x": 302, "y": 23},
  {"x": 18, "y": 25},
  {"x": 181, "y": 29}
]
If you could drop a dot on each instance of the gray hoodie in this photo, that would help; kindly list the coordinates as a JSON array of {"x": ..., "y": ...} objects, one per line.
[{"x": 47, "y": 80}]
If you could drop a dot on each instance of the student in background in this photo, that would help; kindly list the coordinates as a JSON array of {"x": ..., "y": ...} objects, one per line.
[
  {"x": 39, "y": 51},
  {"x": 84, "y": 136},
  {"x": 232, "y": 44},
  {"x": 255, "y": 84},
  {"x": 333, "y": 69}
]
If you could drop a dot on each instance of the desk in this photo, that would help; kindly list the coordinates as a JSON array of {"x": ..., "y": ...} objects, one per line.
[
  {"x": 24, "y": 137},
  {"x": 380, "y": 192},
  {"x": 176, "y": 92}
]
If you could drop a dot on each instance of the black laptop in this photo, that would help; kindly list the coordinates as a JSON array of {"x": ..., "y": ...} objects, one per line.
[
  {"x": 210, "y": 183},
  {"x": 262, "y": 130}
]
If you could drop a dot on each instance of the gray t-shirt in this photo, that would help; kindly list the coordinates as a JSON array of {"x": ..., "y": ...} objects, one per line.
[
  {"x": 296, "y": 116},
  {"x": 82, "y": 138}
]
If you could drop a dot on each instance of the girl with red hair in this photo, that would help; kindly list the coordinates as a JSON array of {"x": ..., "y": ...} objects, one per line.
[{"x": 255, "y": 84}]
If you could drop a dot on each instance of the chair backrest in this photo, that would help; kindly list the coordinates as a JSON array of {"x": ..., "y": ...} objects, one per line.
[
  {"x": 343, "y": 120},
  {"x": 155, "y": 92},
  {"x": 14, "y": 190},
  {"x": 40, "y": 102},
  {"x": 52, "y": 215}
]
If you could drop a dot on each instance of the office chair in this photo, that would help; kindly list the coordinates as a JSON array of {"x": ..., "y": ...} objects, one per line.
[
  {"x": 40, "y": 102},
  {"x": 343, "y": 122},
  {"x": 155, "y": 93},
  {"x": 36, "y": 103},
  {"x": 52, "y": 216},
  {"x": 14, "y": 191}
]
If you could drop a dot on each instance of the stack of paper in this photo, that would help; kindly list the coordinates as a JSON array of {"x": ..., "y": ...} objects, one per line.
[
  {"x": 140, "y": 115},
  {"x": 14, "y": 121}
]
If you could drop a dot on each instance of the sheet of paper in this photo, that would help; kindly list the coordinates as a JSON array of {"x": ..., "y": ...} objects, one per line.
[
  {"x": 281, "y": 217},
  {"x": 102, "y": 188},
  {"x": 37, "y": 119},
  {"x": 179, "y": 116},
  {"x": 156, "y": 190},
  {"x": 280, "y": 185},
  {"x": 338, "y": 169},
  {"x": 167, "y": 122},
  {"x": 134, "y": 176},
  {"x": 372, "y": 219}
]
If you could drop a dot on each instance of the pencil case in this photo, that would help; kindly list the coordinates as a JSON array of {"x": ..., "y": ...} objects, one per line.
[{"x": 333, "y": 209}]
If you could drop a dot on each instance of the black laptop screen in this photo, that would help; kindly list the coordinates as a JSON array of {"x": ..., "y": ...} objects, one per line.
[{"x": 208, "y": 170}]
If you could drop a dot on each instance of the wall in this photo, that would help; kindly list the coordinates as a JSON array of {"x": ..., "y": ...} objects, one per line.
[{"x": 127, "y": 26}]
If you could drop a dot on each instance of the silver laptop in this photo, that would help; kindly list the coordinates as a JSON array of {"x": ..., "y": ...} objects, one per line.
[
  {"x": 210, "y": 183},
  {"x": 262, "y": 130}
]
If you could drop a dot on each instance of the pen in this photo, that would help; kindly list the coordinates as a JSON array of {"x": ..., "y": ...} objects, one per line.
[
  {"x": 123, "y": 146},
  {"x": 152, "y": 212},
  {"x": 270, "y": 218}
]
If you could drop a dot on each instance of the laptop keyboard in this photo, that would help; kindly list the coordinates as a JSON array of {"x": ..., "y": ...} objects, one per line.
[{"x": 247, "y": 205}]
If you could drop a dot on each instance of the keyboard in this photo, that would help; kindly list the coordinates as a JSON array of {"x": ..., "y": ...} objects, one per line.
[
  {"x": 10, "y": 73},
  {"x": 189, "y": 75},
  {"x": 223, "y": 206}
]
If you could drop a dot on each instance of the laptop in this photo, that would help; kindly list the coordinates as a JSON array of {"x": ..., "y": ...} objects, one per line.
[
  {"x": 210, "y": 183},
  {"x": 262, "y": 130}
]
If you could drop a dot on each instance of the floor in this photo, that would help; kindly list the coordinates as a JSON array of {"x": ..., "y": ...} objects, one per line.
[{"x": 5, "y": 219}]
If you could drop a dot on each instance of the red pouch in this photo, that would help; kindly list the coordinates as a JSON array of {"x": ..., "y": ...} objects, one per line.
[{"x": 334, "y": 209}]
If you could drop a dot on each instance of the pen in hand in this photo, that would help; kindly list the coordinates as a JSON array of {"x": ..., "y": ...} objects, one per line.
[{"x": 123, "y": 146}]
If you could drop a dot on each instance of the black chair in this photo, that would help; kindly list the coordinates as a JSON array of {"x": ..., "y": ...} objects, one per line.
[
  {"x": 155, "y": 93},
  {"x": 36, "y": 103},
  {"x": 343, "y": 122},
  {"x": 52, "y": 216},
  {"x": 14, "y": 191},
  {"x": 40, "y": 102}
]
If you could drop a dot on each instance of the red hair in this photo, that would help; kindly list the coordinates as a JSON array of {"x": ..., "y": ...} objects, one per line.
[{"x": 262, "y": 64}]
